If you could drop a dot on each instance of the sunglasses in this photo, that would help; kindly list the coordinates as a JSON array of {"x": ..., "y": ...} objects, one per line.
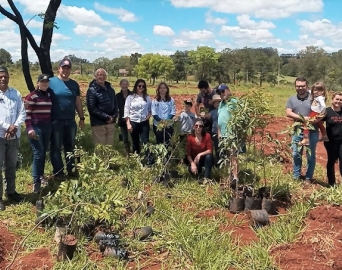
[
  {"x": 141, "y": 86},
  {"x": 198, "y": 126}
]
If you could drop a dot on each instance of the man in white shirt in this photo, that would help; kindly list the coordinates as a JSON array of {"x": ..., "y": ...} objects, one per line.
[{"x": 12, "y": 116}]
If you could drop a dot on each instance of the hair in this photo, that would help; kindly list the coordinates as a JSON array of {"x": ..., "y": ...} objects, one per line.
[
  {"x": 203, "y": 132},
  {"x": 100, "y": 69},
  {"x": 203, "y": 84},
  {"x": 135, "y": 88},
  {"x": 167, "y": 95},
  {"x": 301, "y": 79},
  {"x": 319, "y": 86},
  {"x": 123, "y": 80}
]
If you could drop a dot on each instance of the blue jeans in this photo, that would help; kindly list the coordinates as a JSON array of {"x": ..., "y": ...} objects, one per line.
[
  {"x": 8, "y": 158},
  {"x": 297, "y": 155},
  {"x": 207, "y": 162},
  {"x": 63, "y": 135},
  {"x": 39, "y": 148}
]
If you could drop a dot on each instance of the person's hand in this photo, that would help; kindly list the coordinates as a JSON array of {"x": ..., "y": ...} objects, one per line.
[
  {"x": 8, "y": 135},
  {"x": 202, "y": 114},
  {"x": 111, "y": 120},
  {"x": 12, "y": 130},
  {"x": 193, "y": 168},
  {"x": 81, "y": 124},
  {"x": 32, "y": 134},
  {"x": 197, "y": 159},
  {"x": 129, "y": 128}
]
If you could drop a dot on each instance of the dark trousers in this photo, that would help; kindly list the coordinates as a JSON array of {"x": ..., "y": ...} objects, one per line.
[
  {"x": 216, "y": 146},
  {"x": 207, "y": 162},
  {"x": 141, "y": 132},
  {"x": 163, "y": 136},
  {"x": 334, "y": 152}
]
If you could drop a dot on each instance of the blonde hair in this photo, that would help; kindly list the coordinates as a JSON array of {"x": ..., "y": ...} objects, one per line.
[{"x": 319, "y": 86}]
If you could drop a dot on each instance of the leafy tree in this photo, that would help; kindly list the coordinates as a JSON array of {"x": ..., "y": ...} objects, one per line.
[
  {"x": 134, "y": 58},
  {"x": 204, "y": 60},
  {"x": 43, "y": 50},
  {"x": 5, "y": 57},
  {"x": 180, "y": 59},
  {"x": 153, "y": 66}
]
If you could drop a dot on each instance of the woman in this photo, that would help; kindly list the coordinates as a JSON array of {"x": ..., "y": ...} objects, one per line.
[
  {"x": 333, "y": 147},
  {"x": 38, "y": 126},
  {"x": 103, "y": 108},
  {"x": 121, "y": 99},
  {"x": 137, "y": 113},
  {"x": 163, "y": 108},
  {"x": 199, "y": 150}
]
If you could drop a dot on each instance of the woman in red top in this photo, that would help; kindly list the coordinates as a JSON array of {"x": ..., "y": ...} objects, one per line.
[{"x": 199, "y": 150}]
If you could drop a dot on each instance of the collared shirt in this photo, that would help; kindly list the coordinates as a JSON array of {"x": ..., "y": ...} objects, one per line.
[
  {"x": 136, "y": 108},
  {"x": 164, "y": 109},
  {"x": 12, "y": 111},
  {"x": 224, "y": 114}
]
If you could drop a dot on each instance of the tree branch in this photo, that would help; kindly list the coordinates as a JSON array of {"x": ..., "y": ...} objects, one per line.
[{"x": 8, "y": 14}]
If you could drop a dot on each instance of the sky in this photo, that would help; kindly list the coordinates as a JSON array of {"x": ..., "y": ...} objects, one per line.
[{"x": 111, "y": 28}]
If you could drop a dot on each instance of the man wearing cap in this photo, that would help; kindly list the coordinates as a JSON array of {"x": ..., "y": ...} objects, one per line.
[
  {"x": 12, "y": 116},
  {"x": 65, "y": 101}
]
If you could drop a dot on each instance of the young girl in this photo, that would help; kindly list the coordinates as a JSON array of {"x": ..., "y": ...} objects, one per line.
[{"x": 318, "y": 107}]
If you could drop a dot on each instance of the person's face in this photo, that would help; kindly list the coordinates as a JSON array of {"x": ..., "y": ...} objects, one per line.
[
  {"x": 43, "y": 85},
  {"x": 4, "y": 79},
  {"x": 216, "y": 104},
  {"x": 162, "y": 90},
  {"x": 301, "y": 88},
  {"x": 100, "y": 76},
  {"x": 187, "y": 108},
  {"x": 204, "y": 91},
  {"x": 64, "y": 71},
  {"x": 141, "y": 87},
  {"x": 337, "y": 101},
  {"x": 124, "y": 85},
  {"x": 317, "y": 92},
  {"x": 224, "y": 94},
  {"x": 198, "y": 126}
]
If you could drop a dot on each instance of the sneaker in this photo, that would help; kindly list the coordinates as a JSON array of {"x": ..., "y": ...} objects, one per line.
[
  {"x": 15, "y": 197},
  {"x": 37, "y": 188},
  {"x": 59, "y": 177},
  {"x": 2, "y": 205},
  {"x": 324, "y": 138}
]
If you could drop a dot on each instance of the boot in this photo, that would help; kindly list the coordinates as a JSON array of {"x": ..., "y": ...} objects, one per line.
[{"x": 127, "y": 149}]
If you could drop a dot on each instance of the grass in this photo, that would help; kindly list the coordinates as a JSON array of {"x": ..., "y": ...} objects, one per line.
[{"x": 183, "y": 239}]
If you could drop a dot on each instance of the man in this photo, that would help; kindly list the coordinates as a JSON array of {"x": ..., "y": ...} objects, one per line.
[
  {"x": 300, "y": 104},
  {"x": 225, "y": 109},
  {"x": 12, "y": 116},
  {"x": 65, "y": 101},
  {"x": 121, "y": 99},
  {"x": 103, "y": 108},
  {"x": 204, "y": 97}
]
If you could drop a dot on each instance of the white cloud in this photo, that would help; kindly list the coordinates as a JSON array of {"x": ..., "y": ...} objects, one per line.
[
  {"x": 81, "y": 15},
  {"x": 34, "y": 24},
  {"x": 245, "y": 22},
  {"x": 198, "y": 35},
  {"x": 7, "y": 24},
  {"x": 36, "y": 7},
  {"x": 89, "y": 31},
  {"x": 269, "y": 9},
  {"x": 124, "y": 15},
  {"x": 181, "y": 43},
  {"x": 211, "y": 20},
  {"x": 162, "y": 30}
]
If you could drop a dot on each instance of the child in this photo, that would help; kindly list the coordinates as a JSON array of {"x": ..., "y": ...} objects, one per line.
[
  {"x": 213, "y": 116},
  {"x": 319, "y": 93},
  {"x": 187, "y": 119}
]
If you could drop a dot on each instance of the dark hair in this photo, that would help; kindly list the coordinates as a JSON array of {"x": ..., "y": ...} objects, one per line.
[
  {"x": 135, "y": 88},
  {"x": 203, "y": 84},
  {"x": 203, "y": 132},
  {"x": 301, "y": 79},
  {"x": 167, "y": 95}
]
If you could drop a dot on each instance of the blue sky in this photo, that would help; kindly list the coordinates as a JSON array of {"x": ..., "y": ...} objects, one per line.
[{"x": 108, "y": 28}]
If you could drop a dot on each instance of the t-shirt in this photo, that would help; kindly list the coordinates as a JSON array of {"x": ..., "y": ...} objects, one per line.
[
  {"x": 333, "y": 124},
  {"x": 300, "y": 106},
  {"x": 187, "y": 121},
  {"x": 193, "y": 149},
  {"x": 204, "y": 99},
  {"x": 63, "y": 97},
  {"x": 224, "y": 114},
  {"x": 214, "y": 120},
  {"x": 318, "y": 105}
]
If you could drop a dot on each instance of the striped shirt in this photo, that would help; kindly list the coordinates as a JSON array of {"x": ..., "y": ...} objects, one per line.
[
  {"x": 38, "y": 108},
  {"x": 136, "y": 108}
]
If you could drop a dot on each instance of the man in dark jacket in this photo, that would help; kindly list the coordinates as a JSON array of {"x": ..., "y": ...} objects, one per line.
[{"x": 102, "y": 107}]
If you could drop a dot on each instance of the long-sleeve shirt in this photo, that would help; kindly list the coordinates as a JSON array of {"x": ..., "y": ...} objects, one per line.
[
  {"x": 12, "y": 111},
  {"x": 193, "y": 149},
  {"x": 163, "y": 109},
  {"x": 136, "y": 108},
  {"x": 38, "y": 108}
]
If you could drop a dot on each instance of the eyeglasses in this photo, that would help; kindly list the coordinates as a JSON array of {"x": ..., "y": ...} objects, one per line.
[
  {"x": 141, "y": 86},
  {"x": 198, "y": 126},
  {"x": 300, "y": 86}
]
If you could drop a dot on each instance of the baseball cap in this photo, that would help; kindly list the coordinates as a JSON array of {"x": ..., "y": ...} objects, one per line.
[
  {"x": 222, "y": 87},
  {"x": 65, "y": 62},
  {"x": 3, "y": 69},
  {"x": 43, "y": 77}
]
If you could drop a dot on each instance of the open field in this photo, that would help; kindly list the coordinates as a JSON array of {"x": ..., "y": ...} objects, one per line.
[{"x": 193, "y": 228}]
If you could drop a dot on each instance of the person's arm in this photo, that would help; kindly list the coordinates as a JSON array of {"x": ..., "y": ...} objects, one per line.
[
  {"x": 149, "y": 107},
  {"x": 116, "y": 107},
  {"x": 21, "y": 112},
  {"x": 127, "y": 109},
  {"x": 29, "y": 101},
  {"x": 188, "y": 150},
  {"x": 208, "y": 146},
  {"x": 154, "y": 109},
  {"x": 218, "y": 132}
]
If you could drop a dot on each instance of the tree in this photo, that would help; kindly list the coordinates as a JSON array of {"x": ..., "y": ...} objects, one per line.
[
  {"x": 134, "y": 58},
  {"x": 180, "y": 60},
  {"x": 153, "y": 66},
  {"x": 5, "y": 57},
  {"x": 43, "y": 50}
]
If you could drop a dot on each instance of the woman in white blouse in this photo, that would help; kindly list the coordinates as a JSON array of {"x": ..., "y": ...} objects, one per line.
[{"x": 137, "y": 113}]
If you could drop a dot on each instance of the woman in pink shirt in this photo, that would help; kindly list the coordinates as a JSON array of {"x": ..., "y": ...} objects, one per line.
[{"x": 199, "y": 150}]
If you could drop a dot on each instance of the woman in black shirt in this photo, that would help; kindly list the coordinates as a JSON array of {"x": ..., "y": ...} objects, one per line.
[{"x": 333, "y": 147}]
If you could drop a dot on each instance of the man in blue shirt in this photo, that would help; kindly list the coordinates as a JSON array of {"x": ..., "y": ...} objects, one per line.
[
  {"x": 65, "y": 101},
  {"x": 12, "y": 116}
]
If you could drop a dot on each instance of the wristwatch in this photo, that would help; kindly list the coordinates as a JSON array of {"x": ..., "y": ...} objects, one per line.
[{"x": 82, "y": 118}]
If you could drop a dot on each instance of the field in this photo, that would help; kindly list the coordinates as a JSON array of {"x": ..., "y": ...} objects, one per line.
[{"x": 192, "y": 225}]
